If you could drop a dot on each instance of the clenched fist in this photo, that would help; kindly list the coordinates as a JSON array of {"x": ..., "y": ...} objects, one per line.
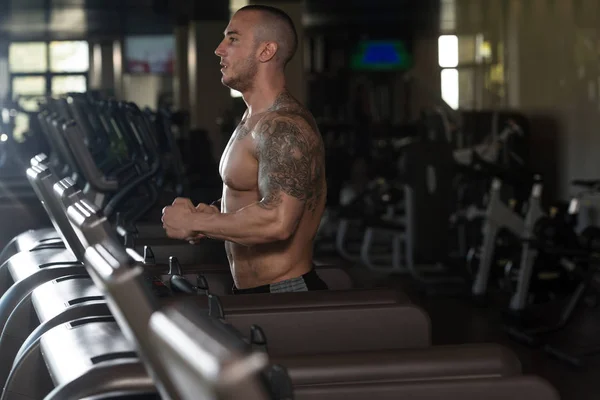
[
  {"x": 176, "y": 219},
  {"x": 204, "y": 208}
]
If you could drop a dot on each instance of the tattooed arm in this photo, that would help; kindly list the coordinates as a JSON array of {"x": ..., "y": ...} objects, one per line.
[{"x": 290, "y": 157}]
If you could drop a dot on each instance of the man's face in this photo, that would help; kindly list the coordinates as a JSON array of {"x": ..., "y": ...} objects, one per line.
[{"x": 237, "y": 51}]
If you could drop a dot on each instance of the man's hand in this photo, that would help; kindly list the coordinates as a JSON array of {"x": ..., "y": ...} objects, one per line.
[
  {"x": 183, "y": 202},
  {"x": 175, "y": 218},
  {"x": 207, "y": 208},
  {"x": 202, "y": 208}
]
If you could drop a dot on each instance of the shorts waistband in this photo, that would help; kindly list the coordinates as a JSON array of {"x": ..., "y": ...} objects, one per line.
[{"x": 304, "y": 283}]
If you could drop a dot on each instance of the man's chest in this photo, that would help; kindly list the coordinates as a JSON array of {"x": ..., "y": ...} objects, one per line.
[{"x": 238, "y": 166}]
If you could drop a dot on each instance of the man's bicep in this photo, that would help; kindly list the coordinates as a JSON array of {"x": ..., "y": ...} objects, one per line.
[{"x": 287, "y": 208}]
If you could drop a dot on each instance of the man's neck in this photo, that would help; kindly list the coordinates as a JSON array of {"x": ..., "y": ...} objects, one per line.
[{"x": 262, "y": 96}]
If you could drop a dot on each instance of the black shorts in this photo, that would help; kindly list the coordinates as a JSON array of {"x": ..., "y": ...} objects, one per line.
[{"x": 308, "y": 282}]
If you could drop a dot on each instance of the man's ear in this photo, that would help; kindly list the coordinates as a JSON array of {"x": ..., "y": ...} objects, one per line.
[{"x": 268, "y": 51}]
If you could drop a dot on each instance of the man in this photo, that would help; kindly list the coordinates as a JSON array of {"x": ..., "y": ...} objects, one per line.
[{"x": 273, "y": 167}]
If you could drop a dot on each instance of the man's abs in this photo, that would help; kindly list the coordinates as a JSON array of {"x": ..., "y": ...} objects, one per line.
[{"x": 266, "y": 264}]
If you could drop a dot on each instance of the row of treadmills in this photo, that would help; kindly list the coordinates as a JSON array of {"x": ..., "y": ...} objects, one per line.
[{"x": 86, "y": 313}]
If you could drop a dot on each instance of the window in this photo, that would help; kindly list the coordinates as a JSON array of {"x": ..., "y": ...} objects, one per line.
[
  {"x": 29, "y": 85},
  {"x": 450, "y": 87},
  {"x": 27, "y": 91},
  {"x": 448, "y": 60},
  {"x": 41, "y": 68},
  {"x": 28, "y": 57},
  {"x": 469, "y": 77},
  {"x": 69, "y": 56},
  {"x": 68, "y": 84},
  {"x": 448, "y": 51},
  {"x": 4, "y": 78},
  {"x": 447, "y": 15}
]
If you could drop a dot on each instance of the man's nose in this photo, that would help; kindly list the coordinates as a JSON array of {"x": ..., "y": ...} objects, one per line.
[{"x": 219, "y": 51}]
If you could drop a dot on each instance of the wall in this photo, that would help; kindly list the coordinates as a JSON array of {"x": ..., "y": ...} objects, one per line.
[
  {"x": 425, "y": 89},
  {"x": 559, "y": 75},
  {"x": 145, "y": 89},
  {"x": 101, "y": 74},
  {"x": 4, "y": 72},
  {"x": 552, "y": 67}
]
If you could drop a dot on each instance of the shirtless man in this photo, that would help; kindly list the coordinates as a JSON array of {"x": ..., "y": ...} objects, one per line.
[{"x": 273, "y": 168}]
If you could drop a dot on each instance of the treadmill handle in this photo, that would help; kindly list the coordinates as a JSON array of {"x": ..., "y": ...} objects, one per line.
[{"x": 92, "y": 174}]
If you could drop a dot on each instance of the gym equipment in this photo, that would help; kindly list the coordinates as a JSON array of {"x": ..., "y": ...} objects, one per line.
[
  {"x": 134, "y": 132},
  {"x": 425, "y": 169},
  {"x": 95, "y": 229},
  {"x": 103, "y": 252},
  {"x": 496, "y": 148},
  {"x": 226, "y": 370},
  {"x": 121, "y": 355},
  {"x": 555, "y": 230},
  {"x": 19, "y": 295},
  {"x": 308, "y": 313},
  {"x": 30, "y": 275},
  {"x": 585, "y": 266},
  {"x": 71, "y": 382},
  {"x": 30, "y": 269},
  {"x": 339, "y": 375},
  {"x": 100, "y": 360},
  {"x": 499, "y": 216},
  {"x": 65, "y": 190},
  {"x": 47, "y": 262},
  {"x": 586, "y": 202},
  {"x": 75, "y": 380},
  {"x": 578, "y": 256},
  {"x": 31, "y": 239},
  {"x": 381, "y": 198},
  {"x": 406, "y": 211},
  {"x": 527, "y": 264},
  {"x": 121, "y": 370},
  {"x": 518, "y": 388}
]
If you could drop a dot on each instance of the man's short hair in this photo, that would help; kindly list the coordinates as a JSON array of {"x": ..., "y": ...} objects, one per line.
[{"x": 278, "y": 27}]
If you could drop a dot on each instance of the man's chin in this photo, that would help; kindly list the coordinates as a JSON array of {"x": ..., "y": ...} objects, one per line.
[{"x": 226, "y": 83}]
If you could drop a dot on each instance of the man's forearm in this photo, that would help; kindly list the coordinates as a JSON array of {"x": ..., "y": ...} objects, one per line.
[{"x": 249, "y": 226}]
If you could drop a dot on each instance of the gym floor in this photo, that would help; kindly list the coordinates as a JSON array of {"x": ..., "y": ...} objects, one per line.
[{"x": 456, "y": 321}]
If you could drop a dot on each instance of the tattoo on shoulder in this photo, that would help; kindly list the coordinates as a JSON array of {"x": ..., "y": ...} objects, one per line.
[{"x": 291, "y": 160}]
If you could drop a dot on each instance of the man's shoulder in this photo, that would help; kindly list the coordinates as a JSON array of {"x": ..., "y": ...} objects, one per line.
[
  {"x": 286, "y": 115},
  {"x": 297, "y": 121}
]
